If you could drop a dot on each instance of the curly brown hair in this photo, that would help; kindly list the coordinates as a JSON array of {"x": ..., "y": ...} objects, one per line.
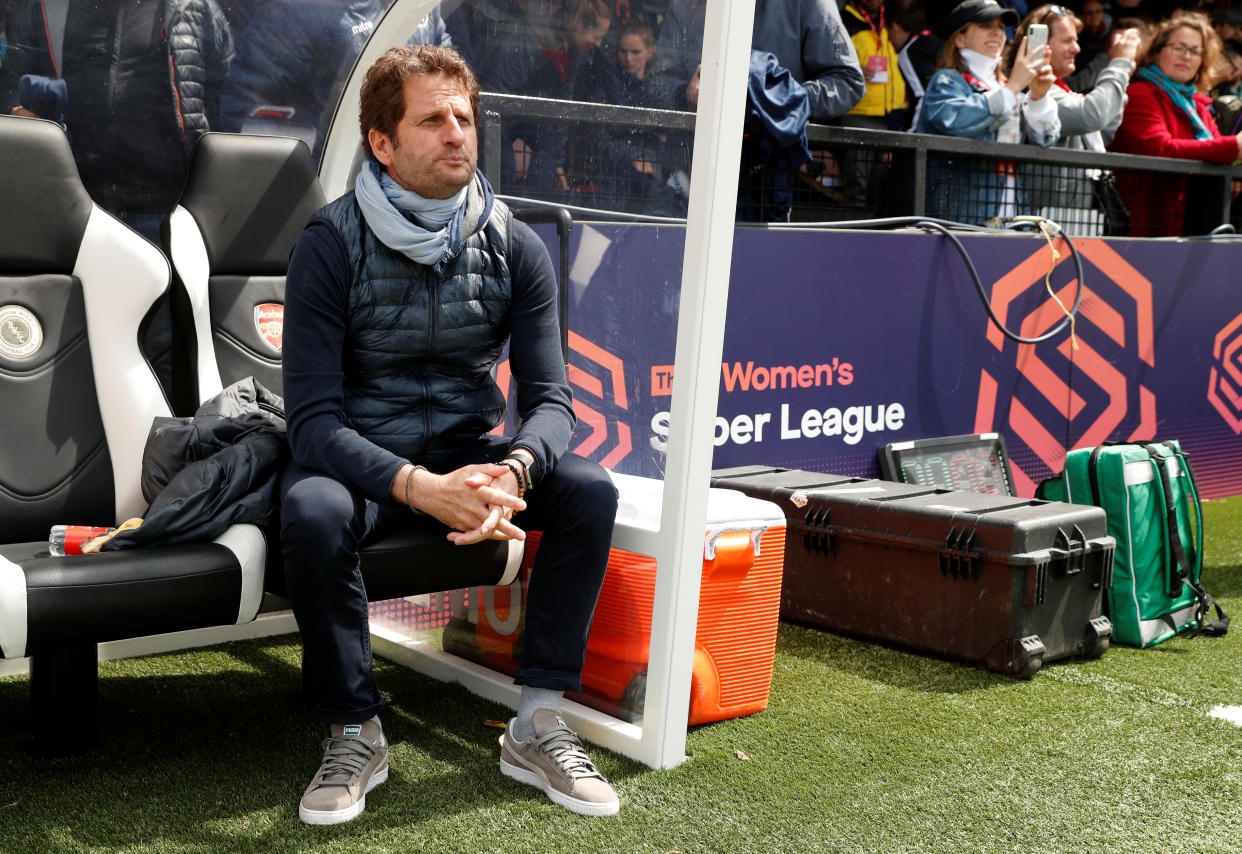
[
  {"x": 383, "y": 89},
  {"x": 1198, "y": 22}
]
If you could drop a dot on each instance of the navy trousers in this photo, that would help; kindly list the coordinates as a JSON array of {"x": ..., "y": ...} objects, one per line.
[{"x": 323, "y": 525}]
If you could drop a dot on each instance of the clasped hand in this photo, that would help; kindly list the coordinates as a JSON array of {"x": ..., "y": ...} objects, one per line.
[{"x": 477, "y": 501}]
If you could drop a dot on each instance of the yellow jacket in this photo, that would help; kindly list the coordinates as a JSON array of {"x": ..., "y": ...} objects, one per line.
[{"x": 881, "y": 98}]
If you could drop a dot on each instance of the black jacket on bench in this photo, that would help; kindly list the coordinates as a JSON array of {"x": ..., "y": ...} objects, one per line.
[{"x": 219, "y": 468}]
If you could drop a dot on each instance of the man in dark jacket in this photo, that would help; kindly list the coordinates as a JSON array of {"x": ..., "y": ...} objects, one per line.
[
  {"x": 292, "y": 61},
  {"x": 143, "y": 84},
  {"x": 774, "y": 147},
  {"x": 809, "y": 38},
  {"x": 400, "y": 298},
  {"x": 806, "y": 36}
]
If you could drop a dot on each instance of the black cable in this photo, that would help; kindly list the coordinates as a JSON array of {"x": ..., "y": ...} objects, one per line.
[
  {"x": 987, "y": 303},
  {"x": 943, "y": 227},
  {"x": 867, "y": 224},
  {"x": 590, "y": 214},
  {"x": 1223, "y": 232}
]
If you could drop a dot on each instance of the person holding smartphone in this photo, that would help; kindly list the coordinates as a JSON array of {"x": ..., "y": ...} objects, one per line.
[
  {"x": 1088, "y": 121},
  {"x": 969, "y": 96}
]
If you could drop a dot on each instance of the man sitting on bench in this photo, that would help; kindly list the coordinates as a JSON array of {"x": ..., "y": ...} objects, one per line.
[{"x": 400, "y": 297}]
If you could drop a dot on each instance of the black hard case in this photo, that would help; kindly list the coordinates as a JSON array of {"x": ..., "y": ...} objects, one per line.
[{"x": 1003, "y": 582}]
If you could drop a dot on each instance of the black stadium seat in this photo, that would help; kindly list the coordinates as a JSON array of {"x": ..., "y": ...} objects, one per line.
[
  {"x": 245, "y": 201},
  {"x": 79, "y": 398}
]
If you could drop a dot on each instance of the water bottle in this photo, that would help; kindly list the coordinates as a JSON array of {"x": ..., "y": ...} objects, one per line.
[{"x": 68, "y": 539}]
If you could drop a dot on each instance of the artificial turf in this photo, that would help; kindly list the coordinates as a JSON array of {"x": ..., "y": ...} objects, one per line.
[{"x": 862, "y": 748}]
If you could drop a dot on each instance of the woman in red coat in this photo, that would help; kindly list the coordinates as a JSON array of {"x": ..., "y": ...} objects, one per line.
[{"x": 1168, "y": 117}]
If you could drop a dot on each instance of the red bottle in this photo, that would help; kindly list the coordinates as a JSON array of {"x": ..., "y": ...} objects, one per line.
[{"x": 68, "y": 539}]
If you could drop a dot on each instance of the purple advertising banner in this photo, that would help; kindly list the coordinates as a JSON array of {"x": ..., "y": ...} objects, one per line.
[{"x": 837, "y": 343}]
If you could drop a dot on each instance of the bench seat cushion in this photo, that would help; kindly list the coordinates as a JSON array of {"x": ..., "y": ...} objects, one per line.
[{"x": 48, "y": 602}]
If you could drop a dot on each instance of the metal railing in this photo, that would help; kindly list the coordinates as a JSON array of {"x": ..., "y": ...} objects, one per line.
[{"x": 856, "y": 174}]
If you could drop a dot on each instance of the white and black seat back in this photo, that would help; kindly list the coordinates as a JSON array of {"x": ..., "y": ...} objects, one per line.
[
  {"x": 245, "y": 201},
  {"x": 75, "y": 287}
]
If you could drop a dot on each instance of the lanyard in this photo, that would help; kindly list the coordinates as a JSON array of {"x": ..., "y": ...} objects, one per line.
[
  {"x": 976, "y": 82},
  {"x": 879, "y": 35}
]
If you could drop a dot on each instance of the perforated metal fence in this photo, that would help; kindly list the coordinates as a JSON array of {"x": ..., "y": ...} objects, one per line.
[{"x": 627, "y": 161}]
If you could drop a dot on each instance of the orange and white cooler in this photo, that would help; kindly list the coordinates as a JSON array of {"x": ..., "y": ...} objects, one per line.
[{"x": 739, "y": 606}]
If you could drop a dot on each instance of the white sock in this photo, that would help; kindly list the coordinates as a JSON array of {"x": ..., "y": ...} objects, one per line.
[{"x": 533, "y": 699}]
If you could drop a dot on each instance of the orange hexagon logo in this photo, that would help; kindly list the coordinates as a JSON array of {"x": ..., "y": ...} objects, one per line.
[
  {"x": 1087, "y": 387},
  {"x": 598, "y": 380},
  {"x": 1225, "y": 377}
]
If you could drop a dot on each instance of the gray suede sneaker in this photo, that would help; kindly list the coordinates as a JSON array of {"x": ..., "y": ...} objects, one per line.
[
  {"x": 553, "y": 760},
  {"x": 355, "y": 761}
]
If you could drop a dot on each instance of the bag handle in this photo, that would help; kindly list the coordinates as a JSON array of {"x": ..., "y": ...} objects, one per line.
[
  {"x": 1181, "y": 570},
  {"x": 1093, "y": 468},
  {"x": 1197, "y": 506},
  {"x": 1187, "y": 573},
  {"x": 1093, "y": 473},
  {"x": 1207, "y": 625}
]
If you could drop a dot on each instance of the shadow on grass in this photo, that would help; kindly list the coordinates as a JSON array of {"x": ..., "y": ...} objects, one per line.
[
  {"x": 210, "y": 750},
  {"x": 1222, "y": 551},
  {"x": 1223, "y": 582},
  {"x": 881, "y": 663}
]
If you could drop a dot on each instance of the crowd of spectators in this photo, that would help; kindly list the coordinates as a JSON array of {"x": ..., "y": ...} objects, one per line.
[{"x": 1154, "y": 77}]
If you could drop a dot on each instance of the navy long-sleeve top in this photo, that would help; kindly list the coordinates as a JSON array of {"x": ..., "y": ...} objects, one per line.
[{"x": 316, "y": 305}]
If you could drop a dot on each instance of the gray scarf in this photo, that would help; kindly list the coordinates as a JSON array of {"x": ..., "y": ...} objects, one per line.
[{"x": 385, "y": 203}]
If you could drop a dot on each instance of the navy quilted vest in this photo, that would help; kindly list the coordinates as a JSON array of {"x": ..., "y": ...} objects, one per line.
[{"x": 420, "y": 345}]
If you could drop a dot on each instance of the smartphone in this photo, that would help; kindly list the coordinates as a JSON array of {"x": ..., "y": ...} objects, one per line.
[{"x": 1036, "y": 37}]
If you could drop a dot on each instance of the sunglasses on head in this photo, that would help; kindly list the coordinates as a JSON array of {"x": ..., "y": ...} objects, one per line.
[{"x": 1058, "y": 11}]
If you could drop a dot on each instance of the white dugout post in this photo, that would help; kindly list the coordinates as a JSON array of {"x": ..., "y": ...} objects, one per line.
[{"x": 678, "y": 544}]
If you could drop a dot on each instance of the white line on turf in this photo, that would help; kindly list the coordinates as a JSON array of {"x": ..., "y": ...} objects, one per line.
[{"x": 1233, "y": 714}]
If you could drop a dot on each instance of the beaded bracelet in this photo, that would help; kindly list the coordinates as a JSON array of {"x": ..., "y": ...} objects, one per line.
[
  {"x": 519, "y": 456},
  {"x": 409, "y": 481},
  {"x": 512, "y": 465}
]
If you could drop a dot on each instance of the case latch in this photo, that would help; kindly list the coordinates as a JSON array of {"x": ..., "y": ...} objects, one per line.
[
  {"x": 1068, "y": 552},
  {"x": 958, "y": 557},
  {"x": 816, "y": 535}
]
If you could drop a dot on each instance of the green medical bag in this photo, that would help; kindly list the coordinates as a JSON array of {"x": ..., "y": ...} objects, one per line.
[{"x": 1149, "y": 495}]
